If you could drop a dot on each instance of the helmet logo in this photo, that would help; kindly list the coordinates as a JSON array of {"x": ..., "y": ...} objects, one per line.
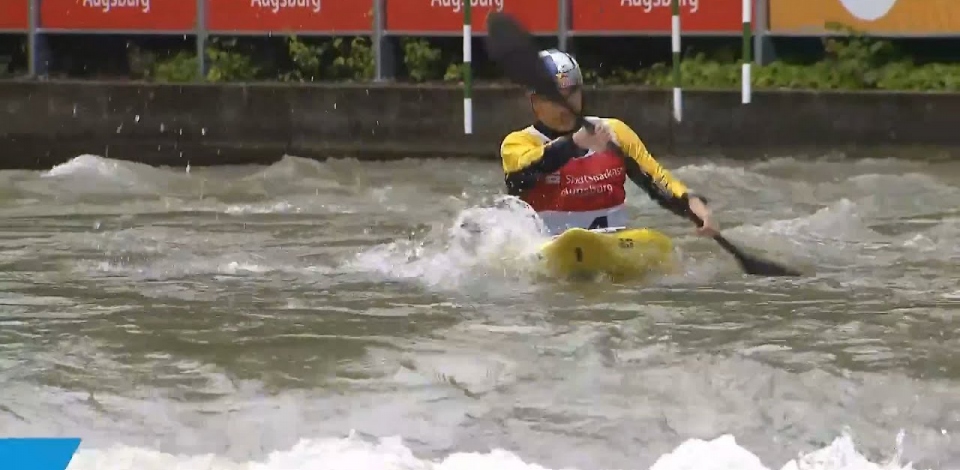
[
  {"x": 563, "y": 67},
  {"x": 564, "y": 79}
]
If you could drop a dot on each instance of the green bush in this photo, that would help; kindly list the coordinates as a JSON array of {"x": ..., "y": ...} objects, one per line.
[
  {"x": 422, "y": 61},
  {"x": 353, "y": 61},
  {"x": 335, "y": 59},
  {"x": 852, "y": 62},
  {"x": 455, "y": 72},
  {"x": 426, "y": 63},
  {"x": 223, "y": 65},
  {"x": 182, "y": 67},
  {"x": 306, "y": 61}
]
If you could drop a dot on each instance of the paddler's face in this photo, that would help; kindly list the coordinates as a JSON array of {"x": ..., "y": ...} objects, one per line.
[{"x": 555, "y": 115}]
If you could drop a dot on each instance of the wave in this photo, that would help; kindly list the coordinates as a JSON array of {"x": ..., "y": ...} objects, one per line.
[{"x": 357, "y": 453}]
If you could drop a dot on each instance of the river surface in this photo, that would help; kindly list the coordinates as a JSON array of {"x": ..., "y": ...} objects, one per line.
[{"x": 333, "y": 315}]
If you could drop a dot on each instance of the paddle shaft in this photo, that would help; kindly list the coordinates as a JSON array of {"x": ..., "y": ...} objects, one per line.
[
  {"x": 749, "y": 263},
  {"x": 723, "y": 242}
]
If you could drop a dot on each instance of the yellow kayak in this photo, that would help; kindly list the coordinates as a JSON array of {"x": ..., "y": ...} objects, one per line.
[{"x": 620, "y": 254}]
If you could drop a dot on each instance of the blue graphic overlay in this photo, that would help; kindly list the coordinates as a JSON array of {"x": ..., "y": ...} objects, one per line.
[{"x": 37, "y": 453}]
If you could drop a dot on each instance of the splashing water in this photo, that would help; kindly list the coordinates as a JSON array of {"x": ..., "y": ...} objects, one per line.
[
  {"x": 498, "y": 241},
  {"x": 356, "y": 453}
]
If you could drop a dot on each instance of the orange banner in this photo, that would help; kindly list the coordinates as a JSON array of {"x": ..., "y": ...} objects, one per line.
[{"x": 913, "y": 17}]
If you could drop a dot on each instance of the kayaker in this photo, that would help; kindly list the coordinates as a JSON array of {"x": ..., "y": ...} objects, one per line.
[{"x": 571, "y": 179}]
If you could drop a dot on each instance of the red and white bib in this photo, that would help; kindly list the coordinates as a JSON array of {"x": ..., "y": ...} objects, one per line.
[{"x": 587, "y": 192}]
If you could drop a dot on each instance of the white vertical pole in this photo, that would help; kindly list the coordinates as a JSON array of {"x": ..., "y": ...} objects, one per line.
[
  {"x": 745, "y": 80},
  {"x": 467, "y": 72},
  {"x": 675, "y": 47}
]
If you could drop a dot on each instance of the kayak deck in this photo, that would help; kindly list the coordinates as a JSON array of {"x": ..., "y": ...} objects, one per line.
[{"x": 623, "y": 254}]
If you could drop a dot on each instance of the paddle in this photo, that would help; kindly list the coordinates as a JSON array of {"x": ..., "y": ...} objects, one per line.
[{"x": 511, "y": 46}]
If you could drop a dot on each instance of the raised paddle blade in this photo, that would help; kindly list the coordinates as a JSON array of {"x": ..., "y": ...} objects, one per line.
[{"x": 512, "y": 47}]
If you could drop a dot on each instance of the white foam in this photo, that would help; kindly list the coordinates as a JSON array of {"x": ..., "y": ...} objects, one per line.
[
  {"x": 481, "y": 243},
  {"x": 91, "y": 173},
  {"x": 276, "y": 208},
  {"x": 86, "y": 165},
  {"x": 354, "y": 453}
]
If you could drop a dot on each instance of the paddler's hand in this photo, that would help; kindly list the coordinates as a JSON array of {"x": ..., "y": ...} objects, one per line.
[
  {"x": 708, "y": 229},
  {"x": 596, "y": 140}
]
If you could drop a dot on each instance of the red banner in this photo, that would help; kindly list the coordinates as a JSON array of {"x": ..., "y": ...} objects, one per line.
[
  {"x": 15, "y": 14},
  {"x": 108, "y": 15},
  {"x": 610, "y": 16},
  {"x": 290, "y": 15},
  {"x": 539, "y": 16}
]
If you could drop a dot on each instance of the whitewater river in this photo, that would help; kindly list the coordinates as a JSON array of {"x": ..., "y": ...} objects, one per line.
[{"x": 311, "y": 315}]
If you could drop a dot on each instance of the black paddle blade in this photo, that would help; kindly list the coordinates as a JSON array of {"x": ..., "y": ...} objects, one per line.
[
  {"x": 511, "y": 46},
  {"x": 762, "y": 267},
  {"x": 755, "y": 265}
]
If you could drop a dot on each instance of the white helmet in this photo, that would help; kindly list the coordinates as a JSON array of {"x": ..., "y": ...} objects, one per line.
[{"x": 563, "y": 67}]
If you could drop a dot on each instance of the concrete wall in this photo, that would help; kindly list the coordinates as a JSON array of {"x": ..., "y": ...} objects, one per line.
[{"x": 45, "y": 123}]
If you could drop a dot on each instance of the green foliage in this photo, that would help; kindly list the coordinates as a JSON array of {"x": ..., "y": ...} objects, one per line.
[
  {"x": 358, "y": 62},
  {"x": 455, "y": 72},
  {"x": 853, "y": 61},
  {"x": 426, "y": 63},
  {"x": 182, "y": 67},
  {"x": 331, "y": 60},
  {"x": 422, "y": 61},
  {"x": 223, "y": 65},
  {"x": 306, "y": 61}
]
